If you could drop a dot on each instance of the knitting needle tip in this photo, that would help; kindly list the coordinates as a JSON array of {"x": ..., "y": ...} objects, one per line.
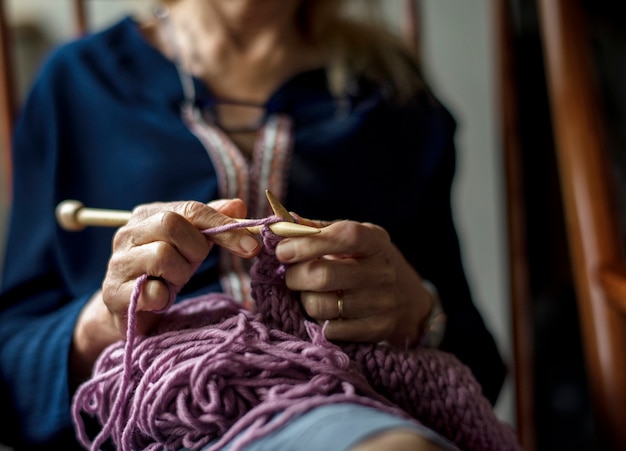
[{"x": 277, "y": 207}]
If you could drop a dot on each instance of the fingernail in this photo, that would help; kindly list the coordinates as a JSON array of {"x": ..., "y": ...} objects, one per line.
[{"x": 249, "y": 244}]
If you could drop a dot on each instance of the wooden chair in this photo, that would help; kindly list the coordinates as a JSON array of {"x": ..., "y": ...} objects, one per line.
[
  {"x": 591, "y": 217},
  {"x": 596, "y": 243},
  {"x": 519, "y": 277}
]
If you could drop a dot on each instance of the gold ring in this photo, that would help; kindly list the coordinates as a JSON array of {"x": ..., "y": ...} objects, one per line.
[{"x": 340, "y": 305}]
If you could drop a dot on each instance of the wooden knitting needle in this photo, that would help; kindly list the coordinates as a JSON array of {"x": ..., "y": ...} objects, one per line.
[
  {"x": 278, "y": 208},
  {"x": 73, "y": 215}
]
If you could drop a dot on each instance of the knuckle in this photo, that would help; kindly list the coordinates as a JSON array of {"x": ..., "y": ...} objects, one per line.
[
  {"x": 378, "y": 230},
  {"x": 351, "y": 231},
  {"x": 192, "y": 209},
  {"x": 387, "y": 275},
  {"x": 123, "y": 238},
  {"x": 161, "y": 252},
  {"x": 120, "y": 237},
  {"x": 318, "y": 306},
  {"x": 172, "y": 223},
  {"x": 320, "y": 275},
  {"x": 142, "y": 211},
  {"x": 113, "y": 297}
]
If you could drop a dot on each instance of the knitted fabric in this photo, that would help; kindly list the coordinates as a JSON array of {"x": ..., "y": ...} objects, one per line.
[{"x": 214, "y": 370}]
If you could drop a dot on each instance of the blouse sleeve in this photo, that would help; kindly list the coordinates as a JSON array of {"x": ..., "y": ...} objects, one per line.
[{"x": 37, "y": 311}]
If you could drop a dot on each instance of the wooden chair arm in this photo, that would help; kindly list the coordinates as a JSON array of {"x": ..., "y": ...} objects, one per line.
[{"x": 613, "y": 281}]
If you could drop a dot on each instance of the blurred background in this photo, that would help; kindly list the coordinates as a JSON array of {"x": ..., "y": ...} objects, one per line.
[{"x": 459, "y": 46}]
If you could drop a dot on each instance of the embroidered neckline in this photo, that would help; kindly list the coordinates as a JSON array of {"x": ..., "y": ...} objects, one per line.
[{"x": 209, "y": 106}]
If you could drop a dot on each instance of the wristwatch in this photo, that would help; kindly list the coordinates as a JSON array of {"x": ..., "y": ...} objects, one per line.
[{"x": 435, "y": 324}]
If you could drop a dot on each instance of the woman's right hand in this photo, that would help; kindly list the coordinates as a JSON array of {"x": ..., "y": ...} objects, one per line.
[{"x": 163, "y": 241}]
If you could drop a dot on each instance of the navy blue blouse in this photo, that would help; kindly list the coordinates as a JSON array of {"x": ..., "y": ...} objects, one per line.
[{"x": 102, "y": 124}]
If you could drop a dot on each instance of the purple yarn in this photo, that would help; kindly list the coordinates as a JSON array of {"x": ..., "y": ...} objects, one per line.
[{"x": 214, "y": 370}]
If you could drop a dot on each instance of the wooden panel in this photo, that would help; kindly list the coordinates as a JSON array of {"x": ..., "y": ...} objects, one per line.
[
  {"x": 519, "y": 278},
  {"x": 594, "y": 234}
]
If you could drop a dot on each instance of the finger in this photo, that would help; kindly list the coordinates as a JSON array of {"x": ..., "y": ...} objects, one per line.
[
  {"x": 159, "y": 260},
  {"x": 145, "y": 322},
  {"x": 203, "y": 217},
  {"x": 371, "y": 329},
  {"x": 347, "y": 304},
  {"x": 238, "y": 241},
  {"x": 164, "y": 227},
  {"x": 339, "y": 238},
  {"x": 310, "y": 222},
  {"x": 164, "y": 261},
  {"x": 156, "y": 295},
  {"x": 153, "y": 298},
  {"x": 323, "y": 306},
  {"x": 234, "y": 208},
  {"x": 340, "y": 274}
]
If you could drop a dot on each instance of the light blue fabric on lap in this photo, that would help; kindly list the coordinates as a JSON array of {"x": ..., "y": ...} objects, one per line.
[{"x": 337, "y": 427}]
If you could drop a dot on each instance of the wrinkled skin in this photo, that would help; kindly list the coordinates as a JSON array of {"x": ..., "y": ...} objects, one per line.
[
  {"x": 383, "y": 296},
  {"x": 164, "y": 241}
]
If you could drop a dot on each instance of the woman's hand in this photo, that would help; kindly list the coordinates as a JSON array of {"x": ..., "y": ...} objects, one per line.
[
  {"x": 163, "y": 241},
  {"x": 383, "y": 297}
]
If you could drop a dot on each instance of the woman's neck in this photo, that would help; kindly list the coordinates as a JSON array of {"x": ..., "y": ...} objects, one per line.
[{"x": 242, "y": 49}]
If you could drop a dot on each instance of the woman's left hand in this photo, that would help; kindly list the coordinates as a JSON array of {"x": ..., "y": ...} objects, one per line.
[{"x": 354, "y": 276}]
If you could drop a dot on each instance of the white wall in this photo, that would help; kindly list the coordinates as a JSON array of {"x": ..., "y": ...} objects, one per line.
[
  {"x": 458, "y": 53},
  {"x": 459, "y": 49}
]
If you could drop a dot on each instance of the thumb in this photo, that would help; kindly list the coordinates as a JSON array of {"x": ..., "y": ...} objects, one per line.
[{"x": 235, "y": 208}]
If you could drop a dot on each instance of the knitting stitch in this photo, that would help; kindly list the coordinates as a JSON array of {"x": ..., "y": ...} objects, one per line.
[{"x": 213, "y": 371}]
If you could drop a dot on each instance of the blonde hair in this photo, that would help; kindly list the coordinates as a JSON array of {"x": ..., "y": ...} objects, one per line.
[{"x": 358, "y": 43}]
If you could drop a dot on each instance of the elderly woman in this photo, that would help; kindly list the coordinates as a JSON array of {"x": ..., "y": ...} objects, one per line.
[{"x": 185, "y": 119}]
